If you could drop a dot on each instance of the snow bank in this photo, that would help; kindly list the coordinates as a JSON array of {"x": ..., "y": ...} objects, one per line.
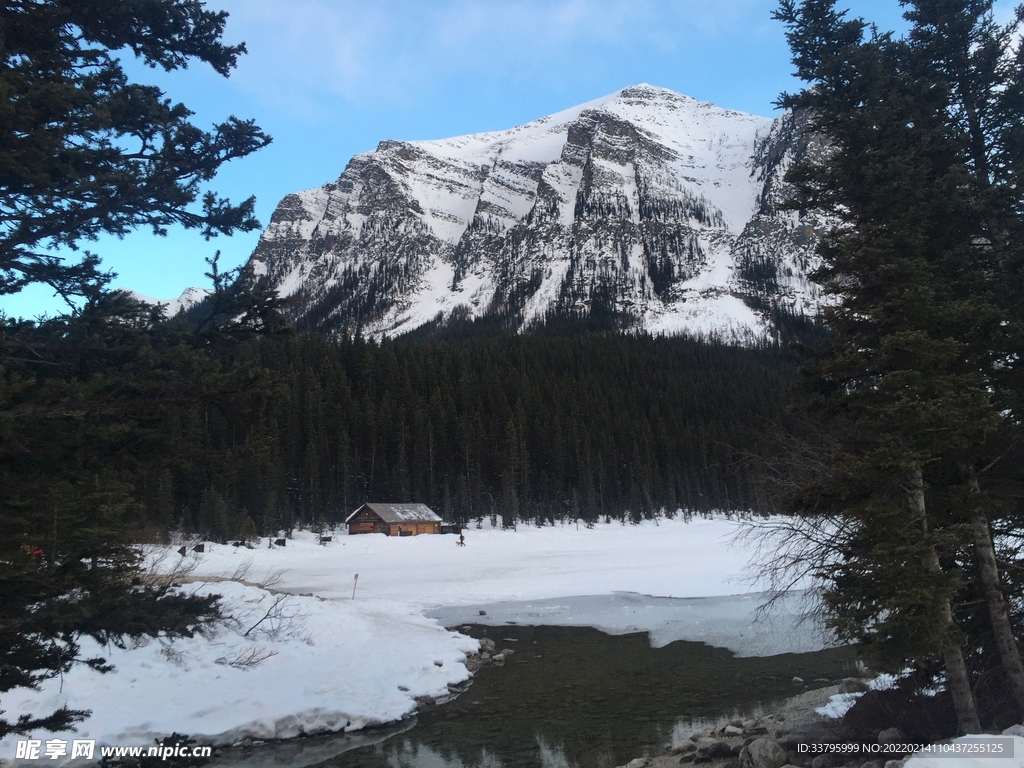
[
  {"x": 839, "y": 704},
  {"x": 327, "y": 666},
  {"x": 331, "y": 663}
]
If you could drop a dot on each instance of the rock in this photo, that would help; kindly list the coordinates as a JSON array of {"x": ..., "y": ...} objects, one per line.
[
  {"x": 893, "y": 764},
  {"x": 715, "y": 750},
  {"x": 732, "y": 730},
  {"x": 403, "y": 688},
  {"x": 686, "y": 748},
  {"x": 873, "y": 764},
  {"x": 763, "y": 753},
  {"x": 507, "y": 651},
  {"x": 798, "y": 680},
  {"x": 498, "y": 658},
  {"x": 853, "y": 685},
  {"x": 821, "y": 761},
  {"x": 486, "y": 643},
  {"x": 424, "y": 701},
  {"x": 438, "y": 663},
  {"x": 748, "y": 724},
  {"x": 820, "y": 732},
  {"x": 891, "y": 736},
  {"x": 1014, "y": 730},
  {"x": 483, "y": 612},
  {"x": 640, "y": 762}
]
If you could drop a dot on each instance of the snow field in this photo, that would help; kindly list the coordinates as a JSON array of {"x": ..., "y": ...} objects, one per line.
[
  {"x": 665, "y": 558},
  {"x": 330, "y": 663},
  {"x": 327, "y": 666}
]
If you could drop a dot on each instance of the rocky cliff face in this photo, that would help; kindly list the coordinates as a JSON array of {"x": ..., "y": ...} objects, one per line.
[{"x": 645, "y": 205}]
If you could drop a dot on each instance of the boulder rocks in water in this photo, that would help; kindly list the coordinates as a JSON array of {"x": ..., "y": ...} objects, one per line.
[{"x": 763, "y": 753}]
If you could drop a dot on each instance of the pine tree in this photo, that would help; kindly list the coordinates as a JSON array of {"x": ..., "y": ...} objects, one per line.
[
  {"x": 921, "y": 177},
  {"x": 85, "y": 152}
]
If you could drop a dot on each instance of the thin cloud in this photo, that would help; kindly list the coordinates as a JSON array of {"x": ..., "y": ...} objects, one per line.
[{"x": 395, "y": 51}]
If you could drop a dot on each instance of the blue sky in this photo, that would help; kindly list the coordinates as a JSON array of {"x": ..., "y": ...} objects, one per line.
[{"x": 331, "y": 78}]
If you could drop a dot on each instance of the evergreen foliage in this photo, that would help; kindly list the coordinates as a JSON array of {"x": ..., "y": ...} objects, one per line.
[
  {"x": 920, "y": 382},
  {"x": 299, "y": 430},
  {"x": 84, "y": 151},
  {"x": 84, "y": 399}
]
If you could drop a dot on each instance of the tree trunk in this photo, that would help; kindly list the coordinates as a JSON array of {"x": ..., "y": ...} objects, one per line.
[
  {"x": 953, "y": 658},
  {"x": 998, "y": 610}
]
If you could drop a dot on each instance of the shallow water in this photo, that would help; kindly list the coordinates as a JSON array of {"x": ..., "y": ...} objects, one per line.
[{"x": 574, "y": 697}]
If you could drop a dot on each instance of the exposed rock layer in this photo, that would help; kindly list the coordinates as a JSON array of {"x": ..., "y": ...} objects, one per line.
[{"x": 645, "y": 206}]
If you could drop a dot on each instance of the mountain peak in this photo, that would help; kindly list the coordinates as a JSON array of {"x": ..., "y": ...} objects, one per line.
[{"x": 645, "y": 204}]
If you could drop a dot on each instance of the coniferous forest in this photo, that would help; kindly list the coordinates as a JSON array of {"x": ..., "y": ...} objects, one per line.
[{"x": 233, "y": 435}]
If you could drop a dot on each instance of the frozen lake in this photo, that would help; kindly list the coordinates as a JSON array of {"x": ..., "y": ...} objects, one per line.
[
  {"x": 346, "y": 653},
  {"x": 724, "y": 622}
]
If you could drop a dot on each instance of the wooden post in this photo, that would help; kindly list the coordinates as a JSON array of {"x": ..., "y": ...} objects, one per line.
[{"x": 354, "y": 582}]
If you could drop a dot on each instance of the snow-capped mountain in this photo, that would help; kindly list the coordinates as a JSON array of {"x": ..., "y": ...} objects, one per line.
[
  {"x": 645, "y": 203},
  {"x": 188, "y": 299}
]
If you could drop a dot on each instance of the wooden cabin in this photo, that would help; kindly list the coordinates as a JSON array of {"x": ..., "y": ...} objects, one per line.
[{"x": 394, "y": 519}]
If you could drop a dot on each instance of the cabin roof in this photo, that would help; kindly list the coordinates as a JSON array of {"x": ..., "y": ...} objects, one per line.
[{"x": 400, "y": 513}]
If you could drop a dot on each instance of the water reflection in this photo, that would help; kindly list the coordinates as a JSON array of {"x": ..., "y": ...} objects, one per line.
[{"x": 574, "y": 697}]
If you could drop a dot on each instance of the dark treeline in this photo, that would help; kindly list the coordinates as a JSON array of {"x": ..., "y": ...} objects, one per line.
[
  {"x": 232, "y": 436},
  {"x": 531, "y": 427}
]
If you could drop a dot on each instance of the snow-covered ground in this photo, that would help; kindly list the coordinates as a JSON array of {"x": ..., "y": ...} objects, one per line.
[{"x": 331, "y": 662}]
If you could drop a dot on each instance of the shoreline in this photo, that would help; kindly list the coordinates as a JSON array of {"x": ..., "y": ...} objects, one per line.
[
  {"x": 786, "y": 713},
  {"x": 794, "y": 720},
  {"x": 381, "y": 638},
  {"x": 773, "y": 741},
  {"x": 722, "y": 744}
]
